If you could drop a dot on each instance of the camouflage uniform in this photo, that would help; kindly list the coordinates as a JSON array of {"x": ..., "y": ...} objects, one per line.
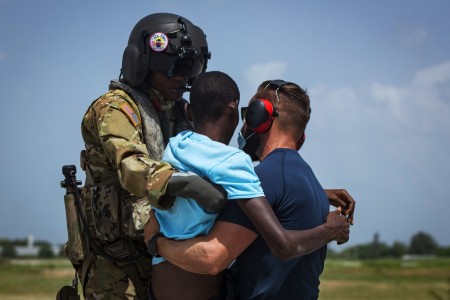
[{"x": 125, "y": 132}]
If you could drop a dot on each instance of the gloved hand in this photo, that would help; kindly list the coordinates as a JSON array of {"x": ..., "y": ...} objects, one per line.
[{"x": 210, "y": 196}]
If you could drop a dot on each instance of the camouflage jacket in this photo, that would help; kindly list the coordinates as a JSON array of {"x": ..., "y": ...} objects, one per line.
[{"x": 125, "y": 136}]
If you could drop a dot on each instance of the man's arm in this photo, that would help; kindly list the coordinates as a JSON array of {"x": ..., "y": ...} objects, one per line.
[
  {"x": 212, "y": 253},
  {"x": 208, "y": 254},
  {"x": 286, "y": 244}
]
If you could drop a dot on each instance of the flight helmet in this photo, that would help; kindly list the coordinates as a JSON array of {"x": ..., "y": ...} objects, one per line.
[{"x": 165, "y": 43}]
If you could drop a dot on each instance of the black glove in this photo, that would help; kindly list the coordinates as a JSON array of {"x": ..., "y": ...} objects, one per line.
[{"x": 212, "y": 197}]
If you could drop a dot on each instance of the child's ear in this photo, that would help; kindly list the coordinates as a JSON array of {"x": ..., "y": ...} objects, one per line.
[
  {"x": 189, "y": 112},
  {"x": 234, "y": 109},
  {"x": 234, "y": 104}
]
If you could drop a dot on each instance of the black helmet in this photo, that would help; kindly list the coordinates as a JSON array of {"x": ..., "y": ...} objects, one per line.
[{"x": 165, "y": 43}]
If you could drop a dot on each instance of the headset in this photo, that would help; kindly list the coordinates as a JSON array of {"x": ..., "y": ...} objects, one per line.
[
  {"x": 259, "y": 115},
  {"x": 261, "y": 112}
]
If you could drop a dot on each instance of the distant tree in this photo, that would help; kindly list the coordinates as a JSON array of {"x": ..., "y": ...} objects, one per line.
[
  {"x": 398, "y": 249},
  {"x": 45, "y": 251},
  {"x": 347, "y": 253},
  {"x": 40, "y": 243},
  {"x": 331, "y": 253},
  {"x": 9, "y": 251},
  {"x": 374, "y": 249},
  {"x": 384, "y": 250},
  {"x": 4, "y": 242},
  {"x": 443, "y": 251},
  {"x": 61, "y": 251},
  {"x": 422, "y": 243},
  {"x": 366, "y": 251},
  {"x": 20, "y": 242}
]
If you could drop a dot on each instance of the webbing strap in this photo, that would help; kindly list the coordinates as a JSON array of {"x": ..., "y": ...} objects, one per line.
[{"x": 135, "y": 276}]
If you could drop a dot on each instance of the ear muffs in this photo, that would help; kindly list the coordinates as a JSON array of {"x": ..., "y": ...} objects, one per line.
[{"x": 260, "y": 115}]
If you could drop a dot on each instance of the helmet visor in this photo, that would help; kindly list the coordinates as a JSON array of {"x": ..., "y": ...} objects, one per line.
[{"x": 187, "y": 64}]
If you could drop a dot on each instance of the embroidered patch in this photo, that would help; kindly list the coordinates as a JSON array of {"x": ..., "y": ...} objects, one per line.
[
  {"x": 159, "y": 41},
  {"x": 130, "y": 114}
]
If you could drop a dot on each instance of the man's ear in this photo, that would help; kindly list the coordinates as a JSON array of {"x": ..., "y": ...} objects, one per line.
[{"x": 301, "y": 141}]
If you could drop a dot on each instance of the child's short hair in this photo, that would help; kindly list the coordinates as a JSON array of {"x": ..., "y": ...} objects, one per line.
[{"x": 211, "y": 92}]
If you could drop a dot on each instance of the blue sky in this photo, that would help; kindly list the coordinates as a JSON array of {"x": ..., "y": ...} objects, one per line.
[{"x": 378, "y": 73}]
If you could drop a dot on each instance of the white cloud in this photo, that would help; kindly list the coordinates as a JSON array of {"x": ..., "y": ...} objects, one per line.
[
  {"x": 391, "y": 98},
  {"x": 433, "y": 75},
  {"x": 257, "y": 73},
  {"x": 387, "y": 143},
  {"x": 415, "y": 37},
  {"x": 328, "y": 104},
  {"x": 422, "y": 106}
]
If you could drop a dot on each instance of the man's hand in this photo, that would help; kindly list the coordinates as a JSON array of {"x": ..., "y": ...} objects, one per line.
[
  {"x": 341, "y": 198},
  {"x": 210, "y": 196},
  {"x": 151, "y": 227},
  {"x": 338, "y": 223}
]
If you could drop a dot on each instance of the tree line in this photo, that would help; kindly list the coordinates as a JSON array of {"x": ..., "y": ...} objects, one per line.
[
  {"x": 421, "y": 243},
  {"x": 8, "y": 248}
]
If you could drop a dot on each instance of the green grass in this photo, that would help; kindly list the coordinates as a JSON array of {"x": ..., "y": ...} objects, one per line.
[
  {"x": 374, "y": 279},
  {"x": 33, "y": 279},
  {"x": 386, "y": 279}
]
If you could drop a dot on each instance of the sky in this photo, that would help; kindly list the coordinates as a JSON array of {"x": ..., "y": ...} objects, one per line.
[{"x": 377, "y": 72}]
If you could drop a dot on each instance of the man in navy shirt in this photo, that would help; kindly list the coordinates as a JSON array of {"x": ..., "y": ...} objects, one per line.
[
  {"x": 299, "y": 202},
  {"x": 278, "y": 113}
]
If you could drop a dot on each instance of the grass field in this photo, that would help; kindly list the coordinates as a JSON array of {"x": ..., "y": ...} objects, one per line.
[
  {"x": 386, "y": 279},
  {"x": 376, "y": 279}
]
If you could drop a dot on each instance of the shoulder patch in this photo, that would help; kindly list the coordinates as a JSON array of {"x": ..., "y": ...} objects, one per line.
[{"x": 130, "y": 114}]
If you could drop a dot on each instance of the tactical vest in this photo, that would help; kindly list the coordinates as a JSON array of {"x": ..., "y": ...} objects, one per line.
[
  {"x": 111, "y": 211},
  {"x": 115, "y": 218},
  {"x": 129, "y": 213}
]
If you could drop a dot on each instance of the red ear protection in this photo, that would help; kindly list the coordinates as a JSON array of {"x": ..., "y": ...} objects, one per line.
[{"x": 260, "y": 115}]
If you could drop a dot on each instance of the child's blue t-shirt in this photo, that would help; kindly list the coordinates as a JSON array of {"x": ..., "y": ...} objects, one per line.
[{"x": 224, "y": 165}]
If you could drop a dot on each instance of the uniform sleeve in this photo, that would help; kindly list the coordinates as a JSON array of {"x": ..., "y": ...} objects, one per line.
[{"x": 123, "y": 144}]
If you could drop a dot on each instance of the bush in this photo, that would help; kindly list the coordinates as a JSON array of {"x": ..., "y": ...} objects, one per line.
[
  {"x": 9, "y": 251},
  {"x": 45, "y": 251}
]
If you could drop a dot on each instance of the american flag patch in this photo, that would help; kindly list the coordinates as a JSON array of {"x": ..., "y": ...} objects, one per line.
[{"x": 130, "y": 114}]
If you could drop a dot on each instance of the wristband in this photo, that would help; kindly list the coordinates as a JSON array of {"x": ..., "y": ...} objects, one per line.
[{"x": 151, "y": 245}]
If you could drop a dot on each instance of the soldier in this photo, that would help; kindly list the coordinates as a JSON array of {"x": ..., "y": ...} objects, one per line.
[{"x": 125, "y": 132}]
